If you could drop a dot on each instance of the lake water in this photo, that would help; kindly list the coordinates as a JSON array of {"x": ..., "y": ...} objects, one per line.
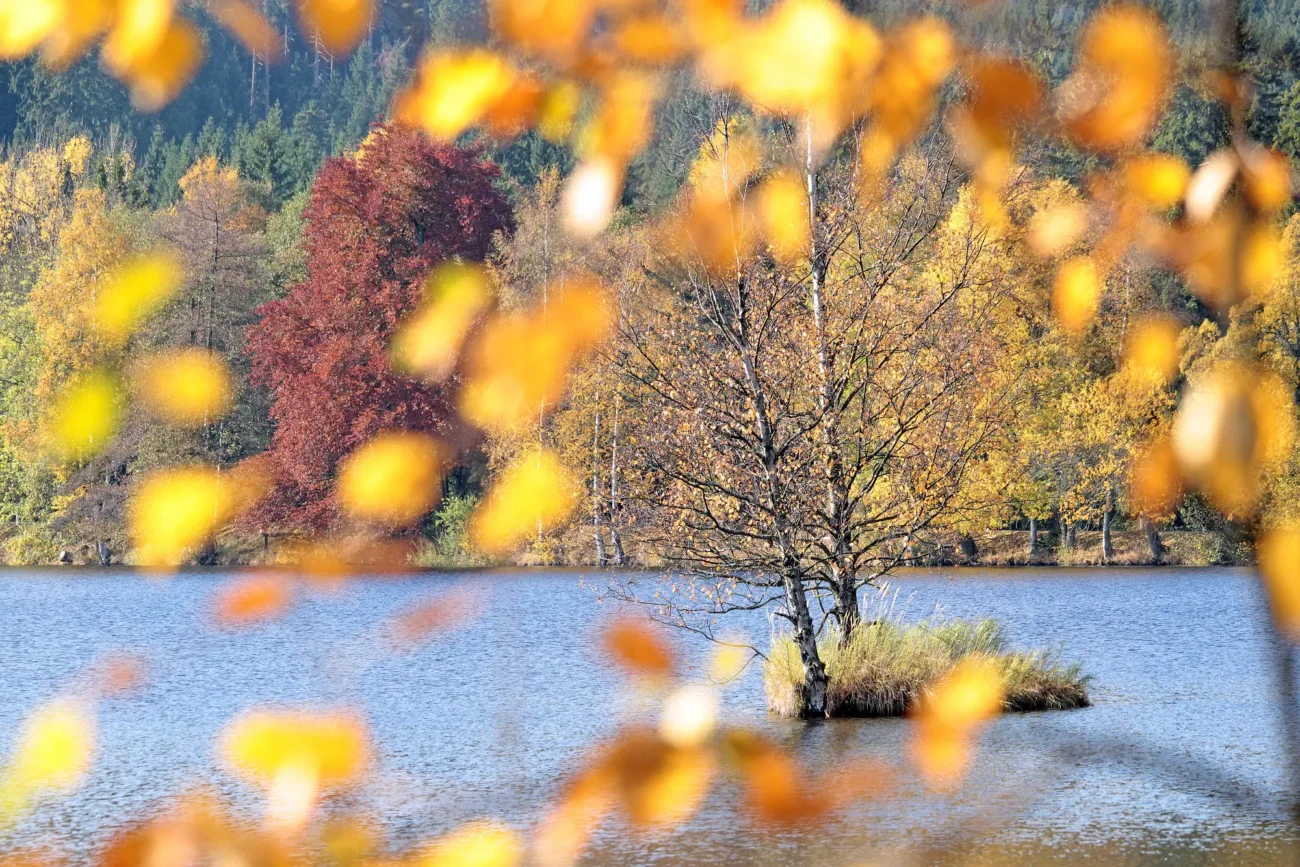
[{"x": 1178, "y": 761}]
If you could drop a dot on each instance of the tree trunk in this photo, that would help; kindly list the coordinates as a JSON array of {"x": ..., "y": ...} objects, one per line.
[
  {"x": 837, "y": 488},
  {"x": 602, "y": 559},
  {"x": 1107, "y": 547},
  {"x": 969, "y": 549},
  {"x": 101, "y": 550},
  {"x": 1071, "y": 530},
  {"x": 1156, "y": 547},
  {"x": 848, "y": 613},
  {"x": 1033, "y": 538},
  {"x": 812, "y": 702},
  {"x": 620, "y": 558}
]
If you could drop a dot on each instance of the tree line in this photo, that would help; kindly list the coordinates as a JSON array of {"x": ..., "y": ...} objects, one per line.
[{"x": 875, "y": 393}]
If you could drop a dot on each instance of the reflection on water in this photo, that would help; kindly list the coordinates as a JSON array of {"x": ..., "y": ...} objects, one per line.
[{"x": 1178, "y": 761}]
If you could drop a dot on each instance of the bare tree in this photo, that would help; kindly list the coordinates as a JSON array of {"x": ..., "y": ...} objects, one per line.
[{"x": 811, "y": 423}]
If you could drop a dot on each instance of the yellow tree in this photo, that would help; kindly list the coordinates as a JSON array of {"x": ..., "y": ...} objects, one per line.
[
  {"x": 90, "y": 248},
  {"x": 216, "y": 230}
]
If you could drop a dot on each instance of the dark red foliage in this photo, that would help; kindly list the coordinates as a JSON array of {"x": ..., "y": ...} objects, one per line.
[{"x": 375, "y": 227}]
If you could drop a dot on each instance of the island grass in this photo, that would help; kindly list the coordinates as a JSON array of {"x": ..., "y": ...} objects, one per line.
[{"x": 887, "y": 666}]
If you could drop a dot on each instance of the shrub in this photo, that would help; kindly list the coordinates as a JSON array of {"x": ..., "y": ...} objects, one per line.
[
  {"x": 30, "y": 546},
  {"x": 449, "y": 535}
]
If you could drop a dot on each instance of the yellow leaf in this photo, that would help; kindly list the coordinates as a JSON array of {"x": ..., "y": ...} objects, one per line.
[
  {"x": 86, "y": 417},
  {"x": 519, "y": 365},
  {"x": 1077, "y": 293},
  {"x": 1267, "y": 175},
  {"x": 478, "y": 844},
  {"x": 454, "y": 91},
  {"x": 25, "y": 24},
  {"x": 534, "y": 494},
  {"x": 259, "y": 744},
  {"x": 650, "y": 39},
  {"x": 156, "y": 78},
  {"x": 186, "y": 387},
  {"x": 139, "y": 30},
  {"x": 801, "y": 57},
  {"x": 250, "y": 27},
  {"x": 339, "y": 24},
  {"x": 967, "y": 697},
  {"x": 558, "y": 109},
  {"x": 1234, "y": 423},
  {"x": 1115, "y": 96},
  {"x": 293, "y": 755},
  {"x": 82, "y": 22},
  {"x": 1152, "y": 347},
  {"x": 1054, "y": 230},
  {"x": 623, "y": 120},
  {"x": 728, "y": 661},
  {"x": 428, "y": 345},
  {"x": 1279, "y": 565},
  {"x": 552, "y": 29},
  {"x": 950, "y": 714},
  {"x": 394, "y": 479},
  {"x": 783, "y": 212},
  {"x": 54, "y": 749},
  {"x": 1156, "y": 480},
  {"x": 1159, "y": 180},
  {"x": 135, "y": 292},
  {"x": 252, "y": 599},
  {"x": 174, "y": 513}
]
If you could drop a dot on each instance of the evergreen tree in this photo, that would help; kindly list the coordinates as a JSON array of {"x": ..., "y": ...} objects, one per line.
[{"x": 1192, "y": 127}]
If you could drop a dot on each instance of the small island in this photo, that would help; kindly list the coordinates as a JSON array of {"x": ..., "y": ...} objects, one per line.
[{"x": 886, "y": 667}]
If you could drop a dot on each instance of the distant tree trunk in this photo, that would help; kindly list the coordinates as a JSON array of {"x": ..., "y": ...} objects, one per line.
[
  {"x": 1033, "y": 537},
  {"x": 969, "y": 549},
  {"x": 813, "y": 698},
  {"x": 1156, "y": 547},
  {"x": 620, "y": 558},
  {"x": 1068, "y": 533},
  {"x": 102, "y": 551},
  {"x": 602, "y": 558},
  {"x": 1107, "y": 547}
]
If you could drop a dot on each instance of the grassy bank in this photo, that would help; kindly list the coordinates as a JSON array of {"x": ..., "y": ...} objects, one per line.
[
  {"x": 1181, "y": 548},
  {"x": 888, "y": 666}
]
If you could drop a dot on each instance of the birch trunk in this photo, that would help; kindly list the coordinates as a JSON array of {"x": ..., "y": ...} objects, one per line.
[
  {"x": 620, "y": 558},
  {"x": 1107, "y": 547},
  {"x": 813, "y": 694},
  {"x": 842, "y": 575},
  {"x": 602, "y": 558}
]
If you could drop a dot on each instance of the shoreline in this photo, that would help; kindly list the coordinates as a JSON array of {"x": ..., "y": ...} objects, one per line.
[{"x": 997, "y": 550}]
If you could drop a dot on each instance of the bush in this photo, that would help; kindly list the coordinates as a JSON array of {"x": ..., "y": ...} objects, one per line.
[
  {"x": 30, "y": 546},
  {"x": 449, "y": 535},
  {"x": 885, "y": 668}
]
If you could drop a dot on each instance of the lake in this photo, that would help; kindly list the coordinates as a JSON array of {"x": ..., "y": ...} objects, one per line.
[{"x": 1178, "y": 761}]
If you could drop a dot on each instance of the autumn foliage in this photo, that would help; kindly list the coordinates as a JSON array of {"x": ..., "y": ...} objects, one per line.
[{"x": 377, "y": 223}]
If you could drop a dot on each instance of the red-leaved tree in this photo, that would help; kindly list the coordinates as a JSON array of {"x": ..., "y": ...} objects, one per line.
[{"x": 376, "y": 224}]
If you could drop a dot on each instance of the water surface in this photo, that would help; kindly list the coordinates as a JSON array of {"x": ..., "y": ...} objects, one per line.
[{"x": 1176, "y": 762}]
